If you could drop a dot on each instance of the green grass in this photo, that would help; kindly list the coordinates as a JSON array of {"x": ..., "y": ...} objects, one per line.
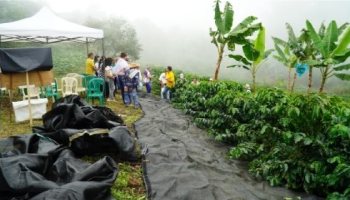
[{"x": 129, "y": 183}]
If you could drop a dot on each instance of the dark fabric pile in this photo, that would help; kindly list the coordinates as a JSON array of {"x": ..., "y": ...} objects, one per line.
[
  {"x": 182, "y": 162},
  {"x": 43, "y": 165}
]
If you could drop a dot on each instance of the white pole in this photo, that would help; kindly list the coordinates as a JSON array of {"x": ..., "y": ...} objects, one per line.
[{"x": 29, "y": 105}]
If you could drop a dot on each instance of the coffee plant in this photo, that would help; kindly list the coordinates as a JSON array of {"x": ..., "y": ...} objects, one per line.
[{"x": 291, "y": 140}]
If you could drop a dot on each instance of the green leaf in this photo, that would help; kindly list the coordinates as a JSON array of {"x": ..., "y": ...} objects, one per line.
[
  {"x": 307, "y": 141},
  {"x": 342, "y": 67},
  {"x": 217, "y": 16},
  {"x": 243, "y": 66},
  {"x": 250, "y": 53},
  {"x": 280, "y": 52},
  {"x": 344, "y": 77},
  {"x": 307, "y": 177},
  {"x": 342, "y": 28},
  {"x": 280, "y": 59},
  {"x": 322, "y": 30},
  {"x": 298, "y": 138},
  {"x": 342, "y": 57},
  {"x": 343, "y": 43},
  {"x": 245, "y": 23},
  {"x": 267, "y": 53},
  {"x": 239, "y": 58},
  {"x": 330, "y": 38},
  {"x": 259, "y": 45},
  {"x": 312, "y": 62},
  {"x": 247, "y": 31},
  {"x": 279, "y": 41},
  {"x": 316, "y": 39},
  {"x": 291, "y": 36},
  {"x": 227, "y": 18}
]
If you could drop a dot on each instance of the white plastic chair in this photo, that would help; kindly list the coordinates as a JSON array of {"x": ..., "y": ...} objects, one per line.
[
  {"x": 69, "y": 86},
  {"x": 80, "y": 87},
  {"x": 71, "y": 74},
  {"x": 34, "y": 92}
]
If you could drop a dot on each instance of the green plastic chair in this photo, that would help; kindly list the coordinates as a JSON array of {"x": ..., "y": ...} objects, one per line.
[
  {"x": 96, "y": 89},
  {"x": 50, "y": 92},
  {"x": 86, "y": 80}
]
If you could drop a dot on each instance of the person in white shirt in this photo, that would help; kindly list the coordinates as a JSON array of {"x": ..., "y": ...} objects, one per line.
[
  {"x": 162, "y": 82},
  {"x": 110, "y": 79},
  {"x": 119, "y": 71}
]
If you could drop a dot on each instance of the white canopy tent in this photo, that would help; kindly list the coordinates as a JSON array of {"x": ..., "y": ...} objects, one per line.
[{"x": 46, "y": 27}]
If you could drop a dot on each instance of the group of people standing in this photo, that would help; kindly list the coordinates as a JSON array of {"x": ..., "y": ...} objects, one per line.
[{"x": 119, "y": 74}]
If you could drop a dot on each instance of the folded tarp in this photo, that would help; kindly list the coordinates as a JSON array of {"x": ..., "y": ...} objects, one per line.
[
  {"x": 35, "y": 167},
  {"x": 87, "y": 130}
]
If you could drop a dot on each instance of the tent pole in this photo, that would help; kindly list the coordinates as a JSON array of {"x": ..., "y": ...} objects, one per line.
[
  {"x": 87, "y": 46},
  {"x": 29, "y": 105}
]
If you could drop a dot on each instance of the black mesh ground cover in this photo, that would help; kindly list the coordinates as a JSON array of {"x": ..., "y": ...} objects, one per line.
[{"x": 182, "y": 163}]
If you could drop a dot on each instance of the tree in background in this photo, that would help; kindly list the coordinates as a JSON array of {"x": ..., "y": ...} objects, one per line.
[
  {"x": 254, "y": 56},
  {"x": 119, "y": 36},
  {"x": 286, "y": 57},
  {"x": 225, "y": 36},
  {"x": 332, "y": 51}
]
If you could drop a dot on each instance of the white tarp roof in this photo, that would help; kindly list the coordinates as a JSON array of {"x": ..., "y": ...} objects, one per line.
[{"x": 46, "y": 27}]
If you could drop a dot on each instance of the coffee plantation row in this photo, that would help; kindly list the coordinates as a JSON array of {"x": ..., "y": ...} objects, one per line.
[{"x": 293, "y": 140}]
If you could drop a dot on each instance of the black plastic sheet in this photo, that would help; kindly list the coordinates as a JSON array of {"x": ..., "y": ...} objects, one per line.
[
  {"x": 18, "y": 60},
  {"x": 182, "y": 162},
  {"x": 35, "y": 167},
  {"x": 43, "y": 165}
]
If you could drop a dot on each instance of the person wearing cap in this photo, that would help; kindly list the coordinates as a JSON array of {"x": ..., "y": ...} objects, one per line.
[
  {"x": 119, "y": 71},
  {"x": 130, "y": 82},
  {"x": 170, "y": 82},
  {"x": 247, "y": 87}
]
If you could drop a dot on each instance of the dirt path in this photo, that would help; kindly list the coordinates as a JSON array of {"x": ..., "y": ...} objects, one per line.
[{"x": 183, "y": 163}]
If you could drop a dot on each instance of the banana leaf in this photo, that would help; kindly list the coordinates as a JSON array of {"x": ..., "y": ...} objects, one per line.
[
  {"x": 343, "y": 43},
  {"x": 316, "y": 39},
  {"x": 224, "y": 20},
  {"x": 239, "y": 58},
  {"x": 330, "y": 38},
  {"x": 250, "y": 53},
  {"x": 259, "y": 45},
  {"x": 245, "y": 23},
  {"x": 342, "y": 67},
  {"x": 243, "y": 66},
  {"x": 344, "y": 77},
  {"x": 342, "y": 28}
]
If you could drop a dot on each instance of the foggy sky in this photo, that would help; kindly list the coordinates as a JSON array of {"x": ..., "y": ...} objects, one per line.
[{"x": 176, "y": 32}]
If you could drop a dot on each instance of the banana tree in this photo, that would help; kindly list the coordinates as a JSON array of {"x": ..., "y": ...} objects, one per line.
[
  {"x": 224, "y": 36},
  {"x": 254, "y": 55},
  {"x": 285, "y": 56},
  {"x": 332, "y": 51}
]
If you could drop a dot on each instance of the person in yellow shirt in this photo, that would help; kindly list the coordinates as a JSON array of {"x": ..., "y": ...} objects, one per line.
[
  {"x": 170, "y": 82},
  {"x": 89, "y": 65}
]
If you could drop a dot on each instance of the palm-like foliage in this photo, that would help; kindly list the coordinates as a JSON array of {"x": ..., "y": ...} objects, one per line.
[
  {"x": 332, "y": 50},
  {"x": 254, "y": 55},
  {"x": 225, "y": 35},
  {"x": 285, "y": 56}
]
